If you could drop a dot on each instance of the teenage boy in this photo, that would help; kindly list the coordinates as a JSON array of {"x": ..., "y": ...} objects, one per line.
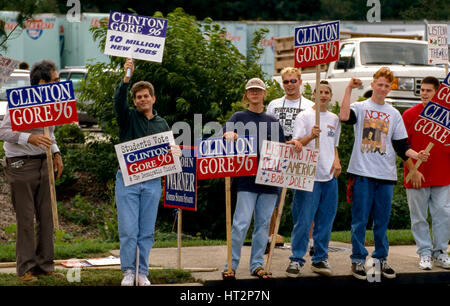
[
  {"x": 286, "y": 108},
  {"x": 320, "y": 205},
  {"x": 373, "y": 168},
  {"x": 137, "y": 205},
  {"x": 429, "y": 188}
]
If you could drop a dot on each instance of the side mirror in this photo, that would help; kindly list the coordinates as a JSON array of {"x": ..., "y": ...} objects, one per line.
[{"x": 341, "y": 65}]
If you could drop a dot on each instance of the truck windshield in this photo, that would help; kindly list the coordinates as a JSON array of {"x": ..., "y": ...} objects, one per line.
[{"x": 388, "y": 53}]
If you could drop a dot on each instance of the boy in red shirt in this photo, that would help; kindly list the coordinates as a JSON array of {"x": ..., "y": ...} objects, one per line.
[{"x": 429, "y": 188}]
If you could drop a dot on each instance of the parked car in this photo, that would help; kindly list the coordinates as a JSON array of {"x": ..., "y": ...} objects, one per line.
[
  {"x": 18, "y": 78},
  {"x": 77, "y": 74}
]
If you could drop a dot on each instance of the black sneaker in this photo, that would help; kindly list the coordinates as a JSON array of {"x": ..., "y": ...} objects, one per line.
[
  {"x": 322, "y": 267},
  {"x": 359, "y": 271},
  {"x": 386, "y": 270},
  {"x": 294, "y": 269}
]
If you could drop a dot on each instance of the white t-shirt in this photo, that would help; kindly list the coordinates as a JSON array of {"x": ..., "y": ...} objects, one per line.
[
  {"x": 328, "y": 140},
  {"x": 376, "y": 126},
  {"x": 287, "y": 110}
]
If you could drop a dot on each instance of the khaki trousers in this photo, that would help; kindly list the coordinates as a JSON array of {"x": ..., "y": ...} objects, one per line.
[{"x": 30, "y": 196}]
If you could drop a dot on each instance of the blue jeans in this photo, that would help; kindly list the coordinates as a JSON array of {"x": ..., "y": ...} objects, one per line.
[
  {"x": 370, "y": 197},
  {"x": 437, "y": 199},
  {"x": 319, "y": 206},
  {"x": 137, "y": 208},
  {"x": 262, "y": 205}
]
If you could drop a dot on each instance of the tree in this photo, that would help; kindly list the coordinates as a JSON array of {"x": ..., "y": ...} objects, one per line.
[{"x": 202, "y": 72}]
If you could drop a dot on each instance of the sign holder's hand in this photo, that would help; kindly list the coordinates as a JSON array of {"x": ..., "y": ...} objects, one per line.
[
  {"x": 129, "y": 69},
  {"x": 230, "y": 136},
  {"x": 41, "y": 141}
]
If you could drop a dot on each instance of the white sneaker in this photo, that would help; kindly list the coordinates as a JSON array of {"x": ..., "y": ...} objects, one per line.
[
  {"x": 143, "y": 280},
  {"x": 128, "y": 278},
  {"x": 425, "y": 262},
  {"x": 294, "y": 269},
  {"x": 442, "y": 260}
]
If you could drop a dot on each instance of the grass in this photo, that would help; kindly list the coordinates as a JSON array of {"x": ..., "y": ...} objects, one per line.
[
  {"x": 96, "y": 248},
  {"x": 395, "y": 237},
  {"x": 66, "y": 250},
  {"x": 104, "y": 277}
]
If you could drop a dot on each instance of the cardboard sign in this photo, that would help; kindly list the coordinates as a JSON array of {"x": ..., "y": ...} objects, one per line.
[
  {"x": 437, "y": 44},
  {"x": 435, "y": 121},
  {"x": 316, "y": 44},
  {"x": 135, "y": 36},
  {"x": 281, "y": 166},
  {"x": 146, "y": 158},
  {"x": 7, "y": 66},
  {"x": 180, "y": 189},
  {"x": 218, "y": 157},
  {"x": 42, "y": 105}
]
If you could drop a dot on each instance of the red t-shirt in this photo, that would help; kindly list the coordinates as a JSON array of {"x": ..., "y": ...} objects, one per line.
[{"x": 437, "y": 169}]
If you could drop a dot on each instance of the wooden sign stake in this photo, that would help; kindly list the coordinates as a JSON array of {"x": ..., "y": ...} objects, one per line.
[
  {"x": 51, "y": 179},
  {"x": 179, "y": 238},
  {"x": 317, "y": 100},
  {"x": 228, "y": 216},
  {"x": 275, "y": 231},
  {"x": 418, "y": 163}
]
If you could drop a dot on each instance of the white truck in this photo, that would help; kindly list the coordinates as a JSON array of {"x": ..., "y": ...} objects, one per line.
[{"x": 362, "y": 57}]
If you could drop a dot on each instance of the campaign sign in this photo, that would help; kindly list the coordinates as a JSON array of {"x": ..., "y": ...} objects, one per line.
[
  {"x": 42, "y": 105},
  {"x": 146, "y": 158},
  {"x": 136, "y": 36},
  {"x": 437, "y": 44},
  {"x": 180, "y": 189},
  {"x": 435, "y": 118},
  {"x": 316, "y": 44},
  {"x": 281, "y": 166},
  {"x": 218, "y": 157},
  {"x": 7, "y": 66}
]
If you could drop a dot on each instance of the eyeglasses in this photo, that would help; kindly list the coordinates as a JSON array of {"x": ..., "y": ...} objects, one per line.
[{"x": 293, "y": 81}]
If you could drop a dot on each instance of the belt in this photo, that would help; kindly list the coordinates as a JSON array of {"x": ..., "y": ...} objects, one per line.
[{"x": 40, "y": 156}]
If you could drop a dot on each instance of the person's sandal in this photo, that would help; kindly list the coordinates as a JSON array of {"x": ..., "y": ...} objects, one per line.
[
  {"x": 226, "y": 276},
  {"x": 261, "y": 274}
]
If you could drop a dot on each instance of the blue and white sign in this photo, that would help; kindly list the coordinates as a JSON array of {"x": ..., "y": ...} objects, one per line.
[
  {"x": 316, "y": 44},
  {"x": 146, "y": 158},
  {"x": 180, "y": 189},
  {"x": 218, "y": 157},
  {"x": 136, "y": 36}
]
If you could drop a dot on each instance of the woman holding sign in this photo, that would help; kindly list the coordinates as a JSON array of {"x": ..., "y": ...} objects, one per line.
[{"x": 252, "y": 199}]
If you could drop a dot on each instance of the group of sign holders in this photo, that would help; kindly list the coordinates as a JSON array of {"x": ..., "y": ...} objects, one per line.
[{"x": 141, "y": 37}]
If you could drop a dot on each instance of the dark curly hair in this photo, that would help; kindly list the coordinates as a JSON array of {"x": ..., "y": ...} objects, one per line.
[{"x": 42, "y": 70}]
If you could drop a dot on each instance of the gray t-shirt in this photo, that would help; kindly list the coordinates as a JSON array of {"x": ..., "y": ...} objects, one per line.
[{"x": 376, "y": 126}]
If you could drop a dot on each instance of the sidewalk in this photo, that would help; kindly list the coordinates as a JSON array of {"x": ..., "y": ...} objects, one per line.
[{"x": 402, "y": 258}]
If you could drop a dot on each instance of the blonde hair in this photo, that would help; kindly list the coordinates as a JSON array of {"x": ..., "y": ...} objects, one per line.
[
  {"x": 291, "y": 70},
  {"x": 384, "y": 72}
]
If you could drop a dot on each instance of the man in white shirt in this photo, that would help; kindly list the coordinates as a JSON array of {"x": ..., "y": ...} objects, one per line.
[
  {"x": 27, "y": 173},
  {"x": 286, "y": 108}
]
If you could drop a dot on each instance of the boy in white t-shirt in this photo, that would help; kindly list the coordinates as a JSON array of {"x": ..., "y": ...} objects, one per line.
[
  {"x": 320, "y": 205},
  {"x": 380, "y": 134}
]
